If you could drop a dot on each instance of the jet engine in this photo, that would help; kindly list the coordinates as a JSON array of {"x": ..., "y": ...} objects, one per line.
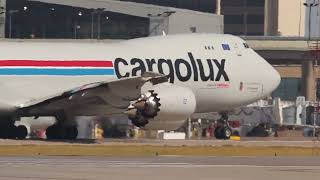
[{"x": 164, "y": 106}]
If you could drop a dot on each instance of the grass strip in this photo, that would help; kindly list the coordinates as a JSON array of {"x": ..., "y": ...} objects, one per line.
[{"x": 146, "y": 150}]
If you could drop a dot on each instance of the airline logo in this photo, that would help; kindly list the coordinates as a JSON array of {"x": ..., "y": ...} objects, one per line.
[
  {"x": 56, "y": 67},
  {"x": 181, "y": 69}
]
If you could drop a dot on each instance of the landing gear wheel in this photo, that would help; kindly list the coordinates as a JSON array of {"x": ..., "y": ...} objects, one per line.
[
  {"x": 71, "y": 132},
  {"x": 55, "y": 132},
  {"x": 21, "y": 132},
  {"x": 51, "y": 132},
  {"x": 11, "y": 132},
  {"x": 59, "y": 132},
  {"x": 218, "y": 132},
  {"x": 222, "y": 130},
  {"x": 227, "y": 132}
]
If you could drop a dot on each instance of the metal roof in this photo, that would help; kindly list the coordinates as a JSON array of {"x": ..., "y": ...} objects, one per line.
[
  {"x": 283, "y": 43},
  {"x": 281, "y": 38},
  {"x": 130, "y": 8}
]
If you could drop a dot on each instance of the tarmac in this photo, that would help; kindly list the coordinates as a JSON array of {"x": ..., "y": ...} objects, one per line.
[
  {"x": 158, "y": 168},
  {"x": 246, "y": 142},
  {"x": 146, "y": 147},
  {"x": 119, "y": 159}
]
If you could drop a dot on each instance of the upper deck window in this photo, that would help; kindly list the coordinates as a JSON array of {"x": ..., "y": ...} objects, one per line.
[{"x": 208, "y": 47}]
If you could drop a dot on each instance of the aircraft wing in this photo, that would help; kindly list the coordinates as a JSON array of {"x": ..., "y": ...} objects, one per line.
[{"x": 102, "y": 98}]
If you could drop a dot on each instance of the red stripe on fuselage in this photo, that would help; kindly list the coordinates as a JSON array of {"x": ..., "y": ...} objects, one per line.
[{"x": 56, "y": 63}]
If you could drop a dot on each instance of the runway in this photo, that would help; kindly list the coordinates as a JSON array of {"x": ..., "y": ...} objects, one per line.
[{"x": 158, "y": 168}]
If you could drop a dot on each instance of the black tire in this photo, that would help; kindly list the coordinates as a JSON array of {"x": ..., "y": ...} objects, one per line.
[
  {"x": 223, "y": 132},
  {"x": 50, "y": 132},
  {"x": 71, "y": 132},
  {"x": 58, "y": 132},
  {"x": 11, "y": 132},
  {"x": 21, "y": 132},
  {"x": 218, "y": 133},
  {"x": 61, "y": 132},
  {"x": 55, "y": 132},
  {"x": 8, "y": 131},
  {"x": 227, "y": 132}
]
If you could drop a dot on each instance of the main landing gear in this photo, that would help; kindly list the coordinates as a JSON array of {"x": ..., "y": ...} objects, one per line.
[
  {"x": 59, "y": 131},
  {"x": 9, "y": 131},
  {"x": 63, "y": 129},
  {"x": 222, "y": 128}
]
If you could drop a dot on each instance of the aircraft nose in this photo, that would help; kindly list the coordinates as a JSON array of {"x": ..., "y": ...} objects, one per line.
[
  {"x": 277, "y": 78},
  {"x": 273, "y": 80},
  {"x": 270, "y": 77}
]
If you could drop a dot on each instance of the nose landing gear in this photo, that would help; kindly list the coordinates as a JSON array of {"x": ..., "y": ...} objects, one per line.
[{"x": 222, "y": 129}]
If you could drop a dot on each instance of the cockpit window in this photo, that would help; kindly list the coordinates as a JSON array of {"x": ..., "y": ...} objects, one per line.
[{"x": 246, "y": 45}]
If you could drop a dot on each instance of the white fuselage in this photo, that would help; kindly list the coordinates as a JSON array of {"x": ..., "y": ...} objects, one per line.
[{"x": 238, "y": 76}]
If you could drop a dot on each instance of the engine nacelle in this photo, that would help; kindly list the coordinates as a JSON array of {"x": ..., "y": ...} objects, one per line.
[{"x": 164, "y": 107}]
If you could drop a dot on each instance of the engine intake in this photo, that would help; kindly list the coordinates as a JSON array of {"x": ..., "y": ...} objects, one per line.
[
  {"x": 162, "y": 106},
  {"x": 145, "y": 108}
]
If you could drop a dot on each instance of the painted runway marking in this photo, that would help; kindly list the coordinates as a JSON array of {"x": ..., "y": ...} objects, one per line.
[{"x": 131, "y": 164}]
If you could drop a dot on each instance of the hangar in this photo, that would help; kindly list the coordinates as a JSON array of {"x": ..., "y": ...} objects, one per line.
[{"x": 104, "y": 19}]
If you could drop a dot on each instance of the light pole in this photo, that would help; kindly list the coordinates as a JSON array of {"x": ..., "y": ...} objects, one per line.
[
  {"x": 309, "y": 65},
  {"x": 77, "y": 26},
  {"x": 92, "y": 23},
  {"x": 98, "y": 11},
  {"x": 99, "y": 25},
  {"x": 11, "y": 12},
  {"x": 310, "y": 6},
  {"x": 2, "y": 22}
]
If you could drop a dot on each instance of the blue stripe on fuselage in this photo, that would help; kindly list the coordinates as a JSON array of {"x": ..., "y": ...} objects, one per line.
[{"x": 55, "y": 72}]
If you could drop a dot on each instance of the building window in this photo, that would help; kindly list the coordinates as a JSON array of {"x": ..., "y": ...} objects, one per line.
[
  {"x": 255, "y": 3},
  {"x": 232, "y": 3},
  {"x": 233, "y": 19},
  {"x": 196, "y": 5},
  {"x": 289, "y": 89},
  {"x": 255, "y": 19},
  {"x": 318, "y": 89}
]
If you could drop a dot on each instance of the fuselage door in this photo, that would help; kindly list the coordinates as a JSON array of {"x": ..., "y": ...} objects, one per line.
[{"x": 253, "y": 88}]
